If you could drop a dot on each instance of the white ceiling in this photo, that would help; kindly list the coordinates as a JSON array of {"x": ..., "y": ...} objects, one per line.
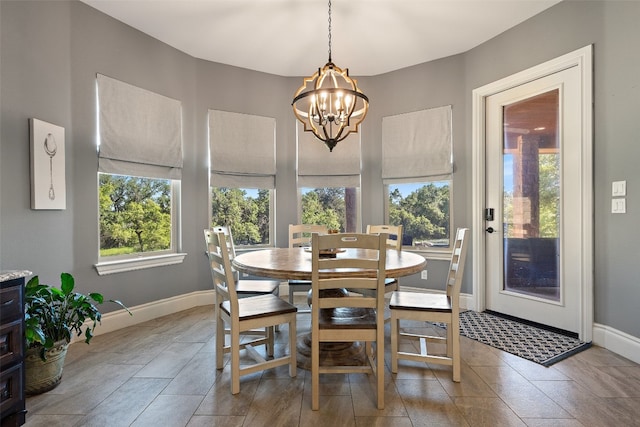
[{"x": 290, "y": 37}]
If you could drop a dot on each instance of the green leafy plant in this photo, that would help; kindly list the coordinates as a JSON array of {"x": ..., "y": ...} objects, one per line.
[{"x": 55, "y": 314}]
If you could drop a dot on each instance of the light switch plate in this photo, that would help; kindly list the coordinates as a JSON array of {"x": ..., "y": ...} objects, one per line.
[
  {"x": 619, "y": 188},
  {"x": 618, "y": 205}
]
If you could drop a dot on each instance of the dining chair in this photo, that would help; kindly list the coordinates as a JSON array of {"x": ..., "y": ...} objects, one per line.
[
  {"x": 244, "y": 287},
  {"x": 426, "y": 307},
  {"x": 246, "y": 314},
  {"x": 299, "y": 236},
  {"x": 355, "y": 318}
]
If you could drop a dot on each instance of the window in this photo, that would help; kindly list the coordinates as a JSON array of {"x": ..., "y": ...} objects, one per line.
[
  {"x": 139, "y": 172},
  {"x": 417, "y": 172},
  {"x": 336, "y": 208},
  {"x": 135, "y": 215},
  {"x": 242, "y": 149},
  {"x": 423, "y": 210},
  {"x": 329, "y": 182},
  {"x": 247, "y": 211}
]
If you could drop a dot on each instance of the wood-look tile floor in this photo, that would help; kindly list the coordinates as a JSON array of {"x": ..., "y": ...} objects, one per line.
[{"x": 162, "y": 374}]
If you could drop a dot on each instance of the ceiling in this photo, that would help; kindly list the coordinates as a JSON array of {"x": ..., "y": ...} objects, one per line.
[{"x": 290, "y": 37}]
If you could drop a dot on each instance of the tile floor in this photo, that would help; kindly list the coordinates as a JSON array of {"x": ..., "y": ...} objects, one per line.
[{"x": 162, "y": 374}]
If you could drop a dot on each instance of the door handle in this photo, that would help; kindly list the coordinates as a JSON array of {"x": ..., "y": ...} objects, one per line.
[{"x": 490, "y": 230}]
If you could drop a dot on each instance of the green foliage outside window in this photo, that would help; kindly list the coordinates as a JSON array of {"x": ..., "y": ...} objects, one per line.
[
  {"x": 423, "y": 212},
  {"x": 549, "y": 181},
  {"x": 135, "y": 214},
  {"x": 549, "y": 198},
  {"x": 246, "y": 211},
  {"x": 324, "y": 206}
]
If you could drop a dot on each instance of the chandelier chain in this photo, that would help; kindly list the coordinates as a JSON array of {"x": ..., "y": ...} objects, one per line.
[
  {"x": 329, "y": 30},
  {"x": 329, "y": 103}
]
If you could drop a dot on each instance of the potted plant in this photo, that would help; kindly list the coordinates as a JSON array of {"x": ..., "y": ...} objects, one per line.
[{"x": 52, "y": 316}]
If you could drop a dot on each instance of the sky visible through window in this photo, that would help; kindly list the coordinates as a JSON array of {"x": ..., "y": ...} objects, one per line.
[
  {"x": 251, "y": 192},
  {"x": 508, "y": 172}
]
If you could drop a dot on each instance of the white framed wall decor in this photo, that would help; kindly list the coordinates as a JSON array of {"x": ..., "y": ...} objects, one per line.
[{"x": 47, "y": 165}]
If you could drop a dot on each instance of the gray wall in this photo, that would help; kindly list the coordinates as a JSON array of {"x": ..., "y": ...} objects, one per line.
[{"x": 51, "y": 51}]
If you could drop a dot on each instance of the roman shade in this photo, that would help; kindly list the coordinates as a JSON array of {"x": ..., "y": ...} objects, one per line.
[
  {"x": 319, "y": 167},
  {"x": 242, "y": 150},
  {"x": 417, "y": 145},
  {"x": 140, "y": 131}
]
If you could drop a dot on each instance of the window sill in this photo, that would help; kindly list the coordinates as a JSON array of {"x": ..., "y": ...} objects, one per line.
[
  {"x": 253, "y": 248},
  {"x": 437, "y": 255},
  {"x": 120, "y": 266}
]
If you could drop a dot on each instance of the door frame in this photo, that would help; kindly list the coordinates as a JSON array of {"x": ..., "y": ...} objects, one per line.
[{"x": 581, "y": 58}]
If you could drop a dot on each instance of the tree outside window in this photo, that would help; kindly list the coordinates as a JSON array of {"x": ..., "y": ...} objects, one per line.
[
  {"x": 423, "y": 209},
  {"x": 548, "y": 196},
  {"x": 246, "y": 210},
  {"x": 135, "y": 215},
  {"x": 334, "y": 207}
]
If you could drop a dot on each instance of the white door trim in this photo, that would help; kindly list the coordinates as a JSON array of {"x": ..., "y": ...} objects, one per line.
[{"x": 581, "y": 58}]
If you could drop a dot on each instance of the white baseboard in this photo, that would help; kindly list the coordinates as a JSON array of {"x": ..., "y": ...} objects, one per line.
[
  {"x": 120, "y": 319},
  {"x": 604, "y": 336},
  {"x": 617, "y": 341},
  {"x": 466, "y": 301}
]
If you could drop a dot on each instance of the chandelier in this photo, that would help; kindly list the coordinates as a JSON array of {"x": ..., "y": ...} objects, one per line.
[{"x": 329, "y": 103}]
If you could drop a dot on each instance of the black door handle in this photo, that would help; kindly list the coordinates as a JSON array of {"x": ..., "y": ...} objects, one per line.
[{"x": 490, "y": 230}]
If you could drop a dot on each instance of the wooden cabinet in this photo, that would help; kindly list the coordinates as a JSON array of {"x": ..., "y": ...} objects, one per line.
[{"x": 12, "y": 399}]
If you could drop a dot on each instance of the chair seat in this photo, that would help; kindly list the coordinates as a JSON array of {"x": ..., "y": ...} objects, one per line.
[
  {"x": 420, "y": 302},
  {"x": 256, "y": 286},
  {"x": 347, "y": 318},
  {"x": 260, "y": 306}
]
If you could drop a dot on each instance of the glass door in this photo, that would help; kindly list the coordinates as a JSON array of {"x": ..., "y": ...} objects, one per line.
[
  {"x": 531, "y": 196},
  {"x": 534, "y": 189}
]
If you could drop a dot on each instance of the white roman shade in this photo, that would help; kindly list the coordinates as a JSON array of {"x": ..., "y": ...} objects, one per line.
[
  {"x": 318, "y": 167},
  {"x": 140, "y": 131},
  {"x": 242, "y": 150},
  {"x": 417, "y": 145}
]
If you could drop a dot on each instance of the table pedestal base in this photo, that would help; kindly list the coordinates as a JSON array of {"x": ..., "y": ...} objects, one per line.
[{"x": 331, "y": 353}]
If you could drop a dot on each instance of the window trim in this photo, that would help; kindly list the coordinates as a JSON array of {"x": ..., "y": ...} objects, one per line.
[
  {"x": 143, "y": 260},
  {"x": 122, "y": 265}
]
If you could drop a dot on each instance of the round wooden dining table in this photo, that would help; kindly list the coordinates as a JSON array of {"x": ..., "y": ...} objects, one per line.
[{"x": 295, "y": 264}]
